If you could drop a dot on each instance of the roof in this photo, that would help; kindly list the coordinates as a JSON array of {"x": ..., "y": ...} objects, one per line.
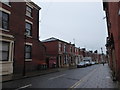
[
  {"x": 50, "y": 39},
  {"x": 35, "y": 5},
  {"x": 55, "y": 39}
]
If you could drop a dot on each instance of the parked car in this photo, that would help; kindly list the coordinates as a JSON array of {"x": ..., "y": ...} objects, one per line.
[
  {"x": 92, "y": 63},
  {"x": 87, "y": 60},
  {"x": 81, "y": 64},
  {"x": 87, "y": 63}
]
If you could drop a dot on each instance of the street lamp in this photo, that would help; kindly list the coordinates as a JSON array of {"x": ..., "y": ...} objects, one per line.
[
  {"x": 24, "y": 65},
  {"x": 102, "y": 54}
]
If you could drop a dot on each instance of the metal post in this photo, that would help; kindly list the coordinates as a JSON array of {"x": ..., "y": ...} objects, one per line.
[
  {"x": 102, "y": 54},
  {"x": 24, "y": 66}
]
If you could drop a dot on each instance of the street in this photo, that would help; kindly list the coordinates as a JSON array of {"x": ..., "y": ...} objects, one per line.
[{"x": 95, "y": 76}]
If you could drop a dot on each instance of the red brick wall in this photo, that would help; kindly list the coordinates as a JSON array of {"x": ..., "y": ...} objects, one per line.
[
  {"x": 17, "y": 29},
  {"x": 51, "y": 47},
  {"x": 114, "y": 18}
]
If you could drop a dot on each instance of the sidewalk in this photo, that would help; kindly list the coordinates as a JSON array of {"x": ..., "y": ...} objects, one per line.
[
  {"x": 99, "y": 78},
  {"x": 34, "y": 73}
]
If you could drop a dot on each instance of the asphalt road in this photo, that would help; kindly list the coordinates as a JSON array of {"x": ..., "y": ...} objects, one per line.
[{"x": 64, "y": 79}]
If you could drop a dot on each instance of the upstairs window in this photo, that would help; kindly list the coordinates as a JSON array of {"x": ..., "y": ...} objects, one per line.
[
  {"x": 71, "y": 49},
  {"x": 28, "y": 11},
  {"x": 4, "y": 18},
  {"x": 28, "y": 29},
  {"x": 60, "y": 47},
  {"x": 65, "y": 48}
]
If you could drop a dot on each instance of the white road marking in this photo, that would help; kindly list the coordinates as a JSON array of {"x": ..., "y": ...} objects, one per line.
[
  {"x": 107, "y": 77},
  {"x": 24, "y": 87},
  {"x": 57, "y": 77}
]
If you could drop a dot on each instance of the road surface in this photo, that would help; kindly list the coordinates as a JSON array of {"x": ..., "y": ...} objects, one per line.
[{"x": 95, "y": 76}]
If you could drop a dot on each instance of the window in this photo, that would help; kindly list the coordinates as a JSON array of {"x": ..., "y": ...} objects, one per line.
[
  {"x": 71, "y": 49},
  {"x": 29, "y": 29},
  {"x": 119, "y": 12},
  {"x": 64, "y": 48},
  {"x": 28, "y": 51},
  {"x": 65, "y": 59},
  {"x": 28, "y": 11},
  {"x": 4, "y": 51},
  {"x": 60, "y": 47},
  {"x": 4, "y": 17}
]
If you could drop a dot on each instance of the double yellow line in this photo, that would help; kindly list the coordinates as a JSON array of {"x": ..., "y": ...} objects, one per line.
[{"x": 83, "y": 79}]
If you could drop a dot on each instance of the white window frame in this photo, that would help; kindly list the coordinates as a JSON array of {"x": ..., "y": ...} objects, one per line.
[
  {"x": 7, "y": 66},
  {"x": 27, "y": 6},
  {"x": 11, "y": 50},
  {"x": 8, "y": 12}
]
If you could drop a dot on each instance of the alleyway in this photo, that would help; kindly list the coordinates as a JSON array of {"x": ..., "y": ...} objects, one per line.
[{"x": 95, "y": 76}]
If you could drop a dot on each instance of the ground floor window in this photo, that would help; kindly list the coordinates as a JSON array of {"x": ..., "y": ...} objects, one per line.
[
  {"x": 65, "y": 59},
  {"x": 28, "y": 52},
  {"x": 4, "y": 50}
]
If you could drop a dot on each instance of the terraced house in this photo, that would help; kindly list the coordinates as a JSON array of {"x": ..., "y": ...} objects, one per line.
[
  {"x": 59, "y": 52},
  {"x": 21, "y": 50}
]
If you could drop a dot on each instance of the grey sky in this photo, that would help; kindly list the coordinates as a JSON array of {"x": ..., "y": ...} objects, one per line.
[{"x": 82, "y": 21}]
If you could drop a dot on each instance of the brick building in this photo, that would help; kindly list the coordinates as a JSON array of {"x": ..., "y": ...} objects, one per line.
[
  {"x": 21, "y": 50},
  {"x": 59, "y": 52},
  {"x": 78, "y": 56},
  {"x": 112, "y": 10}
]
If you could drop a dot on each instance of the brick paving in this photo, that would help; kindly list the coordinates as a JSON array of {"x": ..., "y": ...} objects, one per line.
[{"x": 99, "y": 78}]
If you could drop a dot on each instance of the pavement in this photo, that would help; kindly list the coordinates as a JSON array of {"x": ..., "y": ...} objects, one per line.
[
  {"x": 95, "y": 76},
  {"x": 98, "y": 78}
]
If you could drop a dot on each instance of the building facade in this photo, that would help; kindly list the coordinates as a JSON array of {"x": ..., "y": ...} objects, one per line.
[
  {"x": 112, "y": 10},
  {"x": 21, "y": 49},
  {"x": 62, "y": 52},
  {"x": 65, "y": 54}
]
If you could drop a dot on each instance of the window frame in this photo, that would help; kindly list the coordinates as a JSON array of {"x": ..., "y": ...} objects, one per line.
[
  {"x": 28, "y": 52},
  {"x": 65, "y": 48},
  {"x": 1, "y": 50},
  {"x": 4, "y": 21},
  {"x": 60, "y": 47},
  {"x": 28, "y": 11},
  {"x": 71, "y": 49},
  {"x": 27, "y": 30}
]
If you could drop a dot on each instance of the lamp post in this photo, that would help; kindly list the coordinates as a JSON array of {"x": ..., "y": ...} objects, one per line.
[
  {"x": 24, "y": 65},
  {"x": 102, "y": 54}
]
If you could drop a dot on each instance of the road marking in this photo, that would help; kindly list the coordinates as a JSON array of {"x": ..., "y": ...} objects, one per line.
[
  {"x": 26, "y": 86},
  {"x": 83, "y": 79},
  {"x": 57, "y": 77},
  {"x": 76, "y": 84},
  {"x": 108, "y": 77}
]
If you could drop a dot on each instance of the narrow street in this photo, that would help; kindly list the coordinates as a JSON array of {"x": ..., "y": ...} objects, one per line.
[
  {"x": 95, "y": 76},
  {"x": 59, "y": 44}
]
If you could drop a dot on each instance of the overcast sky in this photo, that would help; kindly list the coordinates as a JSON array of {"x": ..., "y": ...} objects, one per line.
[{"x": 82, "y": 21}]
